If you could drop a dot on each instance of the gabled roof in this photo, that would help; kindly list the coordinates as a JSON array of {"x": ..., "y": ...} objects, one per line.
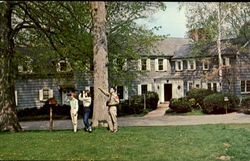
[{"x": 168, "y": 46}]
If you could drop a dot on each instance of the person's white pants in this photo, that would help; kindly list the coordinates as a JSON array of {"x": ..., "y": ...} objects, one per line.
[{"x": 74, "y": 114}]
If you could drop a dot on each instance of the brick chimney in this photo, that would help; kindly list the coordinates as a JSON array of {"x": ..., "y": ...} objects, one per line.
[{"x": 197, "y": 34}]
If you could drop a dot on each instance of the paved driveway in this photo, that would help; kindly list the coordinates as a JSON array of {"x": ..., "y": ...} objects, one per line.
[{"x": 147, "y": 121}]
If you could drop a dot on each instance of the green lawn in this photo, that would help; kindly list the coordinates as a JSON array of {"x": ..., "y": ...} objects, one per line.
[
  {"x": 174, "y": 143},
  {"x": 193, "y": 112}
]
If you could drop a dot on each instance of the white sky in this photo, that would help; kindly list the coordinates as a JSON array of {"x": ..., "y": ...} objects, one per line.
[{"x": 172, "y": 21}]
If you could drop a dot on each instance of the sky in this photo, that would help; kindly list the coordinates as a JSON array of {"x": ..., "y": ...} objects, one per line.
[{"x": 172, "y": 21}]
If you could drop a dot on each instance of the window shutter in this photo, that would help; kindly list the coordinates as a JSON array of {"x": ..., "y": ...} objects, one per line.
[
  {"x": 139, "y": 89},
  {"x": 149, "y": 87},
  {"x": 165, "y": 64},
  {"x": 50, "y": 93},
  {"x": 139, "y": 64},
  {"x": 227, "y": 61},
  {"x": 156, "y": 65},
  {"x": 148, "y": 65},
  {"x": 41, "y": 95},
  {"x": 125, "y": 92},
  {"x": 176, "y": 66},
  {"x": 204, "y": 85},
  {"x": 16, "y": 97}
]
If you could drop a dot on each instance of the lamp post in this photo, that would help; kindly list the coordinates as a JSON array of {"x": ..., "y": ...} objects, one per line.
[{"x": 226, "y": 100}]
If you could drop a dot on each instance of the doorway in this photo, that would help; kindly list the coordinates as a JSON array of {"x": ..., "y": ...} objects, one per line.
[{"x": 167, "y": 92}]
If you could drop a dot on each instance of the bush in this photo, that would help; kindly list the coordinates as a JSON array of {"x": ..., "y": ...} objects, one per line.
[
  {"x": 198, "y": 95},
  {"x": 246, "y": 102},
  {"x": 215, "y": 103},
  {"x": 152, "y": 99},
  {"x": 136, "y": 104},
  {"x": 180, "y": 105}
]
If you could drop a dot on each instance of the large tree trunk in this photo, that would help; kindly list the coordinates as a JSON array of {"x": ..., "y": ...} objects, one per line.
[
  {"x": 100, "y": 59},
  {"x": 8, "y": 117},
  {"x": 219, "y": 44}
]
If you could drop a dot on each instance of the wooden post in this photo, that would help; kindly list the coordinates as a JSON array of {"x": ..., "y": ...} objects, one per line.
[
  {"x": 144, "y": 98},
  {"x": 51, "y": 118}
]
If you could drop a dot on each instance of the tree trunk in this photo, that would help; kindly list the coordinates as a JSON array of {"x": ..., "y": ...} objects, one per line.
[
  {"x": 8, "y": 117},
  {"x": 100, "y": 60},
  {"x": 219, "y": 45}
]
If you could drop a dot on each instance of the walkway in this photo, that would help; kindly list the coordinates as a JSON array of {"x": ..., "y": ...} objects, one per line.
[{"x": 148, "y": 121}]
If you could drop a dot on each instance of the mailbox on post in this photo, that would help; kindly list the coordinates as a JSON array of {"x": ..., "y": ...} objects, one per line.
[{"x": 52, "y": 103}]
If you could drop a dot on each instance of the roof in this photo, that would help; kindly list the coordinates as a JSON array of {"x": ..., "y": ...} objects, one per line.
[
  {"x": 228, "y": 47},
  {"x": 168, "y": 46}
]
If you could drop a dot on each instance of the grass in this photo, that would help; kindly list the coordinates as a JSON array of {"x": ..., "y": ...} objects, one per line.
[
  {"x": 193, "y": 112},
  {"x": 173, "y": 143}
]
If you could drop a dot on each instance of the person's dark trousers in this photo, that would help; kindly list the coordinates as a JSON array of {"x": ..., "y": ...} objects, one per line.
[{"x": 86, "y": 114}]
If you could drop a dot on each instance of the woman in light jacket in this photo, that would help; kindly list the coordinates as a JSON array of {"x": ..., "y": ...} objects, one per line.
[{"x": 86, "y": 98}]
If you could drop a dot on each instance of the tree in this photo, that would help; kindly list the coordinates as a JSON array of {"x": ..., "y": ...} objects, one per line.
[
  {"x": 8, "y": 117},
  {"x": 100, "y": 52},
  {"x": 64, "y": 31},
  {"x": 220, "y": 20}
]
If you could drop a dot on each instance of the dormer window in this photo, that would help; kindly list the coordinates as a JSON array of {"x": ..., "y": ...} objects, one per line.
[
  {"x": 226, "y": 61},
  {"x": 26, "y": 66},
  {"x": 205, "y": 65},
  {"x": 179, "y": 65},
  {"x": 63, "y": 66},
  {"x": 191, "y": 64},
  {"x": 45, "y": 94},
  {"x": 144, "y": 64}
]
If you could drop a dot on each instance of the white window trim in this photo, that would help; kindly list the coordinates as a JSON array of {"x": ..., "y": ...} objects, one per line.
[
  {"x": 176, "y": 65},
  {"x": 139, "y": 64},
  {"x": 148, "y": 65},
  {"x": 139, "y": 89},
  {"x": 156, "y": 65},
  {"x": 41, "y": 94},
  {"x": 165, "y": 64},
  {"x": 212, "y": 86},
  {"x": 189, "y": 64},
  {"x": 16, "y": 100}
]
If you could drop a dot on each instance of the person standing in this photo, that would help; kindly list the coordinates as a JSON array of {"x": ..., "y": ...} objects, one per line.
[
  {"x": 86, "y": 98},
  {"x": 73, "y": 109},
  {"x": 112, "y": 110}
]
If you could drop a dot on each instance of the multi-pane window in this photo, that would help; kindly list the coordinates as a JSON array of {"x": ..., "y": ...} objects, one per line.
[
  {"x": 178, "y": 65},
  {"x": 190, "y": 85},
  {"x": 226, "y": 62},
  {"x": 245, "y": 86},
  {"x": 63, "y": 66},
  {"x": 144, "y": 89},
  {"x": 46, "y": 94},
  {"x": 215, "y": 87},
  {"x": 160, "y": 64},
  {"x": 205, "y": 65},
  {"x": 144, "y": 64},
  {"x": 191, "y": 65},
  {"x": 209, "y": 86}
]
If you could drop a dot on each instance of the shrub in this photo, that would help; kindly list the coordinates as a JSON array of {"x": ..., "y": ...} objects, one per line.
[
  {"x": 246, "y": 101},
  {"x": 215, "y": 103},
  {"x": 180, "y": 105},
  {"x": 198, "y": 94},
  {"x": 152, "y": 99}
]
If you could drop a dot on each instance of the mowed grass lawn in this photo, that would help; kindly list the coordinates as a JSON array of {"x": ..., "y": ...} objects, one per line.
[{"x": 182, "y": 143}]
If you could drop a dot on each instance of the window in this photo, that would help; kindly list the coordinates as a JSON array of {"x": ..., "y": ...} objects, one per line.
[
  {"x": 120, "y": 92},
  {"x": 179, "y": 65},
  {"x": 25, "y": 67},
  {"x": 144, "y": 89},
  {"x": 190, "y": 85},
  {"x": 209, "y": 86},
  {"x": 205, "y": 65},
  {"x": 245, "y": 86},
  {"x": 191, "y": 65},
  {"x": 63, "y": 66},
  {"x": 45, "y": 94},
  {"x": 144, "y": 64},
  {"x": 160, "y": 64},
  {"x": 215, "y": 87},
  {"x": 197, "y": 86},
  {"x": 226, "y": 62}
]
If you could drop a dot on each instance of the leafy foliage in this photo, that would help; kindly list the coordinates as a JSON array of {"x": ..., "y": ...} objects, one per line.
[{"x": 180, "y": 105}]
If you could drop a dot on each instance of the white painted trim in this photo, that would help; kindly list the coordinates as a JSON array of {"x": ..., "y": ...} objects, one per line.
[
  {"x": 165, "y": 64},
  {"x": 156, "y": 65},
  {"x": 139, "y": 89}
]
